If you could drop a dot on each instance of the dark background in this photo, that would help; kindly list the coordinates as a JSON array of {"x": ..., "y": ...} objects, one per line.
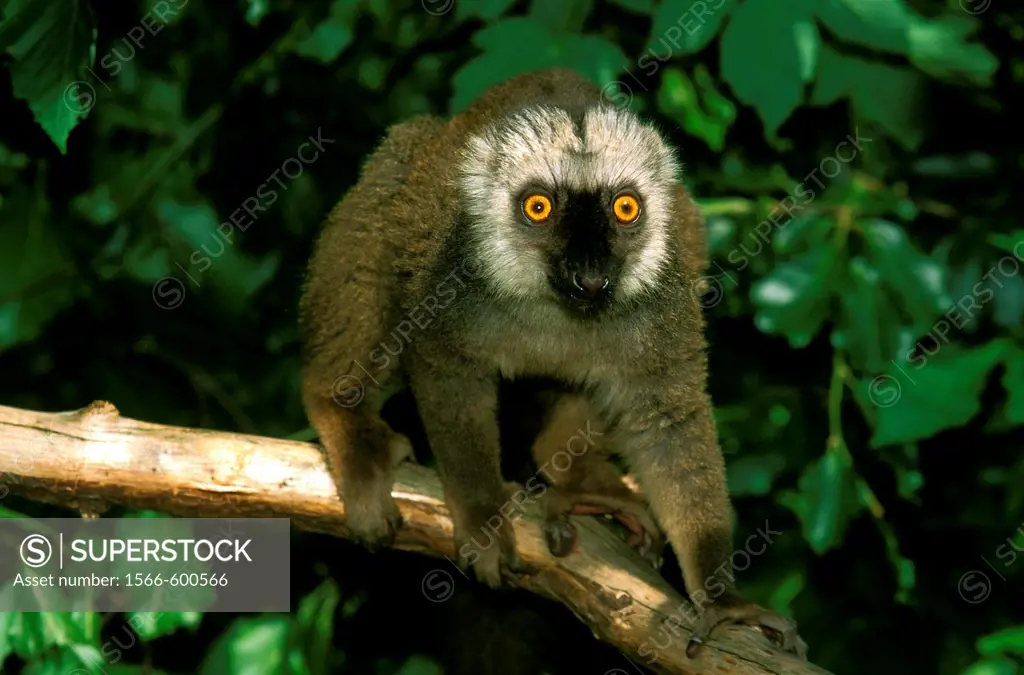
[{"x": 867, "y": 361}]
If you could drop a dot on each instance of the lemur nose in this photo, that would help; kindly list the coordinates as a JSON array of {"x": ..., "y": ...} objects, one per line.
[{"x": 592, "y": 285}]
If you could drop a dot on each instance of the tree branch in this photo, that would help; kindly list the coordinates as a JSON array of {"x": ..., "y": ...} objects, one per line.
[{"x": 91, "y": 458}]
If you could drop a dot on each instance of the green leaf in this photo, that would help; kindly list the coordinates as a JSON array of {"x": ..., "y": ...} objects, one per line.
[
  {"x": 12, "y": 160},
  {"x": 72, "y": 659},
  {"x": 510, "y": 47},
  {"x": 53, "y": 44},
  {"x": 145, "y": 513},
  {"x": 118, "y": 179},
  {"x": 938, "y": 392},
  {"x": 808, "y": 45},
  {"x": 880, "y": 93},
  {"x": 308, "y": 434},
  {"x": 761, "y": 59},
  {"x": 30, "y": 634},
  {"x": 407, "y": 34},
  {"x": 298, "y": 644},
  {"x": 870, "y": 326},
  {"x": 37, "y": 280},
  {"x": 148, "y": 260},
  {"x": 124, "y": 669},
  {"x": 794, "y": 299},
  {"x": 918, "y": 281},
  {"x": 315, "y": 622},
  {"x": 678, "y": 30},
  {"x": 6, "y": 648},
  {"x": 383, "y": 10},
  {"x": 1013, "y": 382},
  {"x": 592, "y": 56},
  {"x": 891, "y": 297},
  {"x": 174, "y": 599},
  {"x": 707, "y": 114},
  {"x": 373, "y": 73},
  {"x": 909, "y": 483},
  {"x": 639, "y": 6},
  {"x": 255, "y": 11},
  {"x": 8, "y": 513},
  {"x": 561, "y": 18},
  {"x": 252, "y": 646},
  {"x": 205, "y": 252},
  {"x": 905, "y": 462},
  {"x": 906, "y": 572},
  {"x": 739, "y": 175},
  {"x": 876, "y": 24},
  {"x": 754, "y": 474},
  {"x": 332, "y": 35},
  {"x": 967, "y": 165},
  {"x": 418, "y": 664},
  {"x": 522, "y": 44},
  {"x": 992, "y": 667},
  {"x": 1008, "y": 242},
  {"x": 862, "y": 321},
  {"x": 1009, "y": 641},
  {"x": 715, "y": 102},
  {"x": 721, "y": 234},
  {"x": 145, "y": 102},
  {"x": 804, "y": 232},
  {"x": 784, "y": 592},
  {"x": 488, "y": 10},
  {"x": 150, "y": 625},
  {"x": 826, "y": 500},
  {"x": 938, "y": 48},
  {"x": 1008, "y": 304}
]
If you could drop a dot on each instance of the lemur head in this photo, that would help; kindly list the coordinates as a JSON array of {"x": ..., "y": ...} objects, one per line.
[{"x": 575, "y": 206}]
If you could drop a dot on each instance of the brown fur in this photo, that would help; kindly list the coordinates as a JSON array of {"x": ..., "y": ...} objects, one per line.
[
  {"x": 390, "y": 259},
  {"x": 573, "y": 456}
]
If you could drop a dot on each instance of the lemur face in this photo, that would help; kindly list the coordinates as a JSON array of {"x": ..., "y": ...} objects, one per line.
[{"x": 571, "y": 204}]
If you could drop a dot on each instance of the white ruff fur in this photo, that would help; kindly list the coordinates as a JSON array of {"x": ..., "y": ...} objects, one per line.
[{"x": 540, "y": 145}]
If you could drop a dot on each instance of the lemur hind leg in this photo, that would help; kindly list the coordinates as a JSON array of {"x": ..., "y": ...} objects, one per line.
[{"x": 585, "y": 481}]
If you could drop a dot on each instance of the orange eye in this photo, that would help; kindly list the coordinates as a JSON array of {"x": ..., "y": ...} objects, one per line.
[
  {"x": 537, "y": 208},
  {"x": 626, "y": 209}
]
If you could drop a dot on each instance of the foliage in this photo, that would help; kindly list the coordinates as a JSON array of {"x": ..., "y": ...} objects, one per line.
[{"x": 865, "y": 304}]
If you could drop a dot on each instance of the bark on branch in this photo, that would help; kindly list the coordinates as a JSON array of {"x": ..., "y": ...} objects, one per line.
[{"x": 91, "y": 458}]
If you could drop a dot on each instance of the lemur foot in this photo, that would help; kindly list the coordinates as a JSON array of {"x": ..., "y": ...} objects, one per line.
[
  {"x": 644, "y": 536},
  {"x": 779, "y": 629}
]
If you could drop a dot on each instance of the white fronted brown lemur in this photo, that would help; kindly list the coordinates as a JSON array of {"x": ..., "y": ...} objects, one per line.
[{"x": 542, "y": 232}]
